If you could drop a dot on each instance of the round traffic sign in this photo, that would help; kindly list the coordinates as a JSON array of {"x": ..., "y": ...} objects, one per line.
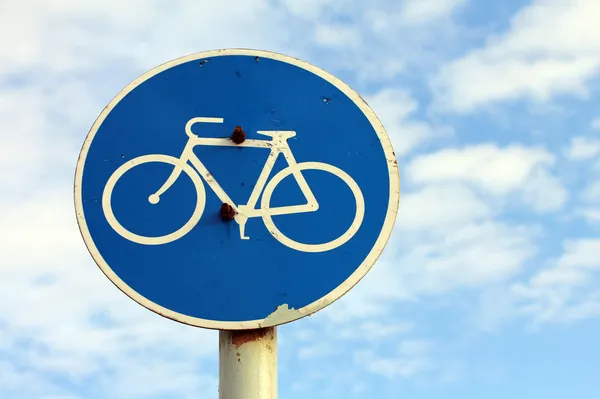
[{"x": 236, "y": 189}]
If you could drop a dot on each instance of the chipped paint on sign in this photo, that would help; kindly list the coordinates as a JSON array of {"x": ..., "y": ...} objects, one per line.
[{"x": 283, "y": 314}]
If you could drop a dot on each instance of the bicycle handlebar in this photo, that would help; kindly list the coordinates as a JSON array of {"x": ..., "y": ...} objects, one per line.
[{"x": 188, "y": 125}]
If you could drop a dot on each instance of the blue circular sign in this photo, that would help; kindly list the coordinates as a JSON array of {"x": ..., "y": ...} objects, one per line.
[{"x": 236, "y": 189}]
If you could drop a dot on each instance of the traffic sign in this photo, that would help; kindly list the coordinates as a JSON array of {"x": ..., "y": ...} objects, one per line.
[{"x": 236, "y": 189}]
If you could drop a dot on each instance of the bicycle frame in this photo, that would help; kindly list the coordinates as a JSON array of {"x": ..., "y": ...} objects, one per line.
[{"x": 277, "y": 145}]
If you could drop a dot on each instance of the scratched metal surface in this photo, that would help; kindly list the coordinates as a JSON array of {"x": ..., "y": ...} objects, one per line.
[{"x": 210, "y": 277}]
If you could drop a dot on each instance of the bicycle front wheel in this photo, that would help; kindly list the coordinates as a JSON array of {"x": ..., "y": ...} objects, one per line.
[
  {"x": 327, "y": 246},
  {"x": 153, "y": 199}
]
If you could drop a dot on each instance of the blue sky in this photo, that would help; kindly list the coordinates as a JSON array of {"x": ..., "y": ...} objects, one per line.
[{"x": 489, "y": 286}]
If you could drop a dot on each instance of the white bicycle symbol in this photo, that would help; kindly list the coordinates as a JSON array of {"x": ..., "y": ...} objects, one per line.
[{"x": 277, "y": 145}]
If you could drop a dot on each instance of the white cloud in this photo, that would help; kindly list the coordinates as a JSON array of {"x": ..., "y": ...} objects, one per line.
[
  {"x": 472, "y": 255},
  {"x": 441, "y": 206},
  {"x": 437, "y": 261},
  {"x": 588, "y": 206},
  {"x": 411, "y": 13},
  {"x": 581, "y": 253},
  {"x": 362, "y": 330},
  {"x": 592, "y": 191},
  {"x": 309, "y": 9},
  {"x": 427, "y": 11},
  {"x": 590, "y": 213},
  {"x": 583, "y": 148},
  {"x": 59, "y": 396},
  {"x": 551, "y": 47},
  {"x": 319, "y": 349},
  {"x": 178, "y": 378},
  {"x": 77, "y": 37},
  {"x": 371, "y": 330},
  {"x": 24, "y": 383},
  {"x": 46, "y": 224},
  {"x": 395, "y": 108},
  {"x": 494, "y": 170},
  {"x": 544, "y": 192},
  {"x": 365, "y": 35},
  {"x": 337, "y": 35},
  {"x": 411, "y": 357},
  {"x": 28, "y": 142},
  {"x": 567, "y": 290}
]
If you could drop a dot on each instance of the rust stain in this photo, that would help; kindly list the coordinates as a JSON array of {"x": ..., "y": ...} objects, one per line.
[{"x": 241, "y": 337}]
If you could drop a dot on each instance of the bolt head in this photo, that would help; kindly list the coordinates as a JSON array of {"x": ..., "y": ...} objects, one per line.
[
  {"x": 238, "y": 136},
  {"x": 227, "y": 212}
]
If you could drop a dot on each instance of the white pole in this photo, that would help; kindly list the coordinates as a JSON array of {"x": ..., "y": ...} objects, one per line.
[{"x": 248, "y": 364}]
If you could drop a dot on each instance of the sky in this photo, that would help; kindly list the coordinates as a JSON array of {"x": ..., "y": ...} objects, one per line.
[{"x": 489, "y": 285}]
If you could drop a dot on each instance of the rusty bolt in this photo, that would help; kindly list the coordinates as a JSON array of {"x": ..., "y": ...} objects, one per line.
[
  {"x": 238, "y": 136},
  {"x": 227, "y": 212}
]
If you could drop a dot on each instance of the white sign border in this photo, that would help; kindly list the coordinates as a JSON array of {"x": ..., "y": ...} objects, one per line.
[{"x": 283, "y": 314}]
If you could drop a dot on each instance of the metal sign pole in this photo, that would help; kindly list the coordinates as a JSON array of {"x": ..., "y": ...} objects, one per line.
[{"x": 248, "y": 364}]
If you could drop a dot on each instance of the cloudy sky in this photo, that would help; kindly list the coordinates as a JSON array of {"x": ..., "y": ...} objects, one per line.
[{"x": 489, "y": 287}]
